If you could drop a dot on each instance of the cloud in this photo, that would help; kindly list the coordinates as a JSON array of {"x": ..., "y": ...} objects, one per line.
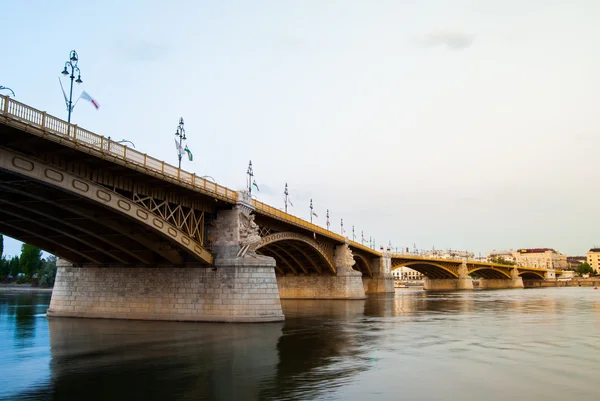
[{"x": 452, "y": 40}]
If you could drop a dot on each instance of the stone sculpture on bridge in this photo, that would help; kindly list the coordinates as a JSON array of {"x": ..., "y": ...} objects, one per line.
[{"x": 249, "y": 236}]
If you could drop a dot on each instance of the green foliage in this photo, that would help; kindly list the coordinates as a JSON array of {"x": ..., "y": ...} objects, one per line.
[
  {"x": 48, "y": 272},
  {"x": 31, "y": 259},
  {"x": 501, "y": 261},
  {"x": 22, "y": 280},
  {"x": 4, "y": 267},
  {"x": 15, "y": 266},
  {"x": 584, "y": 268}
]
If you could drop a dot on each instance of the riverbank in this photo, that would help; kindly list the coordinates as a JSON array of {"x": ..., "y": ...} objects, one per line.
[
  {"x": 23, "y": 288},
  {"x": 575, "y": 282}
]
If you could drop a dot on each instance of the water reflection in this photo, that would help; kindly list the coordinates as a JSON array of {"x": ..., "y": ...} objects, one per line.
[{"x": 527, "y": 344}]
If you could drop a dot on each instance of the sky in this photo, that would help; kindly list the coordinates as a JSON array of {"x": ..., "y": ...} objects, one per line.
[{"x": 450, "y": 124}]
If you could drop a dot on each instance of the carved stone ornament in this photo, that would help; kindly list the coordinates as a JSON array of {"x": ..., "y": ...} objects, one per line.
[
  {"x": 249, "y": 231},
  {"x": 343, "y": 257}
]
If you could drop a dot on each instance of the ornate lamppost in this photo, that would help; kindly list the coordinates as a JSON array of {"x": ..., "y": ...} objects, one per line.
[
  {"x": 250, "y": 174},
  {"x": 180, "y": 133},
  {"x": 72, "y": 65},
  {"x": 286, "y": 193}
]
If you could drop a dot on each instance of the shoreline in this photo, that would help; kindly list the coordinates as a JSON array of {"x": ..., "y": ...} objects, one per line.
[{"x": 23, "y": 288}]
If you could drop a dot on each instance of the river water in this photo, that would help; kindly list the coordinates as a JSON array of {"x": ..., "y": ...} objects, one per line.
[{"x": 533, "y": 344}]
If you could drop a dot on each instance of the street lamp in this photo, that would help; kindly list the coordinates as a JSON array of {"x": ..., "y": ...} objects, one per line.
[
  {"x": 72, "y": 64},
  {"x": 286, "y": 193},
  {"x": 123, "y": 141},
  {"x": 2, "y": 88},
  {"x": 250, "y": 174},
  {"x": 180, "y": 132}
]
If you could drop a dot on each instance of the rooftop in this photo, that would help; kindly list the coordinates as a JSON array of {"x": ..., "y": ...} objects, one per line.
[{"x": 535, "y": 250}]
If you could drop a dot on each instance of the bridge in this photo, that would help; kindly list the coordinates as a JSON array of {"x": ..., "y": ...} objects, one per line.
[{"x": 139, "y": 238}]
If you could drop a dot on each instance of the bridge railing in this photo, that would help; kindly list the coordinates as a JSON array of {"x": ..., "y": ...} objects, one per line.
[
  {"x": 271, "y": 211},
  {"x": 78, "y": 136}
]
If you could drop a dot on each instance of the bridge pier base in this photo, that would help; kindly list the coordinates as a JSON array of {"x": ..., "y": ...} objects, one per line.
[
  {"x": 236, "y": 292},
  {"x": 448, "y": 284},
  {"x": 345, "y": 286},
  {"x": 382, "y": 280},
  {"x": 379, "y": 283}
]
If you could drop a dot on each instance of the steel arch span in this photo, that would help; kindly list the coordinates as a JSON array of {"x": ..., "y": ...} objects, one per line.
[
  {"x": 432, "y": 270},
  {"x": 297, "y": 253},
  {"x": 48, "y": 189}
]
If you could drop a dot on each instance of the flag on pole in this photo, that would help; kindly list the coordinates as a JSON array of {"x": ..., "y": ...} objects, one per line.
[
  {"x": 314, "y": 214},
  {"x": 290, "y": 202},
  {"x": 179, "y": 148},
  {"x": 86, "y": 96},
  {"x": 256, "y": 185},
  {"x": 189, "y": 153}
]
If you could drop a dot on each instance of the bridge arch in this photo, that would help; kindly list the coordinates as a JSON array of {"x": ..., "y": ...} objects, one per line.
[
  {"x": 296, "y": 253},
  {"x": 491, "y": 272},
  {"x": 30, "y": 173},
  {"x": 531, "y": 275},
  {"x": 362, "y": 265},
  {"x": 429, "y": 269}
]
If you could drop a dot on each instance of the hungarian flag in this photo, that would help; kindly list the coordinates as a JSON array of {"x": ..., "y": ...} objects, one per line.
[
  {"x": 86, "y": 96},
  {"x": 179, "y": 148},
  {"x": 189, "y": 153},
  {"x": 314, "y": 214},
  {"x": 256, "y": 185}
]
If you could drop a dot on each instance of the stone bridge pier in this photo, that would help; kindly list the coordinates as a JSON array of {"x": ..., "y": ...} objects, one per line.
[
  {"x": 345, "y": 283},
  {"x": 381, "y": 280},
  {"x": 239, "y": 287}
]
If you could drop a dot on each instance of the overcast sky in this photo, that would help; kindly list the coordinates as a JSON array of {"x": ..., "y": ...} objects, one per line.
[{"x": 455, "y": 124}]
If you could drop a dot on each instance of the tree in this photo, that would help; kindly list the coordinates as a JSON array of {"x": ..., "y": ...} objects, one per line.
[
  {"x": 48, "y": 271},
  {"x": 15, "y": 267},
  {"x": 31, "y": 259},
  {"x": 584, "y": 268},
  {"x": 501, "y": 261}
]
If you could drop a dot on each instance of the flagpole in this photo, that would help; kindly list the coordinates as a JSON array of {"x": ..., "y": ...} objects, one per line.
[
  {"x": 311, "y": 210},
  {"x": 342, "y": 225},
  {"x": 180, "y": 132},
  {"x": 328, "y": 219}
]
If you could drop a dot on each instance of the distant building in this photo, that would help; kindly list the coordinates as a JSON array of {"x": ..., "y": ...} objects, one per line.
[
  {"x": 573, "y": 262},
  {"x": 508, "y": 255},
  {"x": 593, "y": 258},
  {"x": 406, "y": 274},
  {"x": 546, "y": 258},
  {"x": 449, "y": 254}
]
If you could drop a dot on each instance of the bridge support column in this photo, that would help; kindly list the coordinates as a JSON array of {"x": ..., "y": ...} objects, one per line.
[
  {"x": 514, "y": 282},
  {"x": 239, "y": 287},
  {"x": 463, "y": 282},
  {"x": 346, "y": 284},
  {"x": 382, "y": 280}
]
